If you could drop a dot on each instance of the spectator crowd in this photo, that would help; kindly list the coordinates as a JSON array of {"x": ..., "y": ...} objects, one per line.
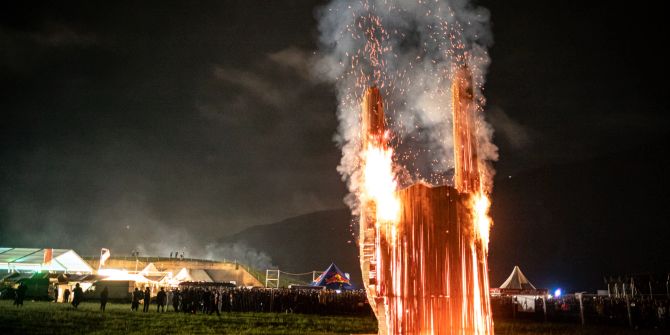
[
  {"x": 635, "y": 312},
  {"x": 209, "y": 300}
]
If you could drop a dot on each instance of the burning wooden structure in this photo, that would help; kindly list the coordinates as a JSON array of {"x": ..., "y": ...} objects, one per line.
[{"x": 423, "y": 249}]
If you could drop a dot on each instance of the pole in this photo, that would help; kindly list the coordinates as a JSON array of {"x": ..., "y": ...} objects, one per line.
[
  {"x": 544, "y": 307},
  {"x": 609, "y": 294},
  {"x": 581, "y": 307},
  {"x": 630, "y": 318}
]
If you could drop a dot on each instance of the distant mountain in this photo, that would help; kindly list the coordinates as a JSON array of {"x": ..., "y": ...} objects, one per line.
[{"x": 307, "y": 242}]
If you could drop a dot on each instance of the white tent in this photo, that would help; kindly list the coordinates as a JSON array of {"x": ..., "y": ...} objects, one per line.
[
  {"x": 517, "y": 281},
  {"x": 150, "y": 270},
  {"x": 36, "y": 259},
  {"x": 193, "y": 275},
  {"x": 182, "y": 275}
]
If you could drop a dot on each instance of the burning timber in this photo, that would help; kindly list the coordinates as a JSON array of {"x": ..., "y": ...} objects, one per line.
[{"x": 423, "y": 250}]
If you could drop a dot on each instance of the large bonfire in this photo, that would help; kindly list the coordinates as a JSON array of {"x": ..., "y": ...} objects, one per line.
[{"x": 415, "y": 155}]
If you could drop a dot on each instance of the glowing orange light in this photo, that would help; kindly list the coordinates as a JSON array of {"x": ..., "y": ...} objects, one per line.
[
  {"x": 424, "y": 248},
  {"x": 380, "y": 183}
]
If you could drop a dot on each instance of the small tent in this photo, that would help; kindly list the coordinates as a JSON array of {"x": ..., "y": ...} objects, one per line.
[
  {"x": 152, "y": 273},
  {"x": 197, "y": 275},
  {"x": 517, "y": 281},
  {"x": 520, "y": 288},
  {"x": 149, "y": 270},
  {"x": 334, "y": 279}
]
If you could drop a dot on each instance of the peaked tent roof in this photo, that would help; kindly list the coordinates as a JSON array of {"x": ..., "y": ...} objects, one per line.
[
  {"x": 200, "y": 275},
  {"x": 32, "y": 259},
  {"x": 517, "y": 280},
  {"x": 333, "y": 278},
  {"x": 192, "y": 275},
  {"x": 182, "y": 275},
  {"x": 149, "y": 269}
]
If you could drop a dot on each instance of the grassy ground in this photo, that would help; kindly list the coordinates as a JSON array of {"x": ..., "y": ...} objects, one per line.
[
  {"x": 531, "y": 328},
  {"x": 50, "y": 318}
]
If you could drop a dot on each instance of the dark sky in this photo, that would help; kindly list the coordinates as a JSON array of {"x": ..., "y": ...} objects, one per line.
[
  {"x": 194, "y": 118},
  {"x": 157, "y": 123}
]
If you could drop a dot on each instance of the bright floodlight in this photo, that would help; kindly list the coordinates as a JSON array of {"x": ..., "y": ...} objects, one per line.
[{"x": 557, "y": 293}]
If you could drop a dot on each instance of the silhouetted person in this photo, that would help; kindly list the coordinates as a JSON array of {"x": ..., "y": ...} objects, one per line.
[
  {"x": 66, "y": 295},
  {"x": 104, "y": 295},
  {"x": 176, "y": 298},
  {"x": 214, "y": 300},
  {"x": 20, "y": 294},
  {"x": 55, "y": 293},
  {"x": 147, "y": 299},
  {"x": 161, "y": 300},
  {"x": 77, "y": 295},
  {"x": 136, "y": 300}
]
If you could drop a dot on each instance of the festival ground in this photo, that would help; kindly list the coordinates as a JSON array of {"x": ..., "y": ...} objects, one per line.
[{"x": 50, "y": 318}]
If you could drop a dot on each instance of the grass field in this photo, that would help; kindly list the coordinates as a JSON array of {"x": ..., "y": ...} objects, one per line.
[{"x": 50, "y": 318}]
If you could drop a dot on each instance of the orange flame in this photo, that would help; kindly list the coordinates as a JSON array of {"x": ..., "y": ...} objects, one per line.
[
  {"x": 482, "y": 221},
  {"x": 380, "y": 183}
]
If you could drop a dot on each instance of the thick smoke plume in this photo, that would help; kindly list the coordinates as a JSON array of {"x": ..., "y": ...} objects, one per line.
[{"x": 410, "y": 49}]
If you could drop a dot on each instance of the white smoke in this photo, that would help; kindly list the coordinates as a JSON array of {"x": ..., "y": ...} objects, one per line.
[
  {"x": 239, "y": 252},
  {"x": 409, "y": 49}
]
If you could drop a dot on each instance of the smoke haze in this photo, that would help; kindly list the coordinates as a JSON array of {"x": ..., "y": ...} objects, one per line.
[{"x": 409, "y": 49}]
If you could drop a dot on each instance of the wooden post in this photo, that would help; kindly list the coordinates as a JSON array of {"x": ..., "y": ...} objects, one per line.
[
  {"x": 373, "y": 127},
  {"x": 581, "y": 307},
  {"x": 630, "y": 317}
]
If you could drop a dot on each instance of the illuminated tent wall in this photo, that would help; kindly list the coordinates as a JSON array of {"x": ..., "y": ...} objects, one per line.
[{"x": 35, "y": 259}]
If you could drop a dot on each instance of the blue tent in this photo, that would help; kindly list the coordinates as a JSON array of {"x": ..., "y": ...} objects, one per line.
[{"x": 333, "y": 279}]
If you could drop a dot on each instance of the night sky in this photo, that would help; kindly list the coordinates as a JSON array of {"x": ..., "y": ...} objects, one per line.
[{"x": 161, "y": 125}]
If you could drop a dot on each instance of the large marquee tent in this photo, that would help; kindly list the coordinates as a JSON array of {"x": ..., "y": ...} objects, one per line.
[{"x": 35, "y": 259}]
